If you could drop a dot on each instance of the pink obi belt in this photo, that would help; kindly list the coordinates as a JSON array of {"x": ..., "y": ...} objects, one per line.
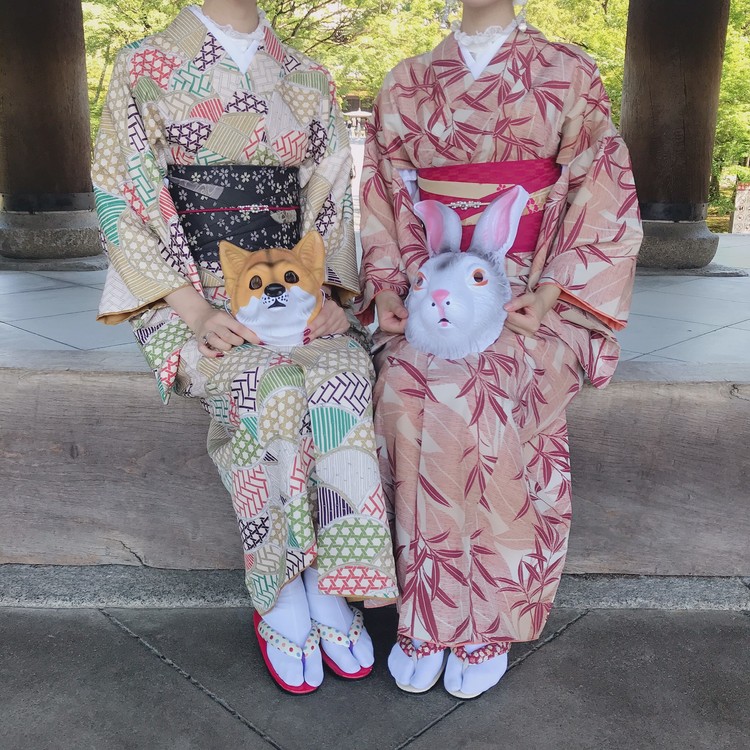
[{"x": 469, "y": 188}]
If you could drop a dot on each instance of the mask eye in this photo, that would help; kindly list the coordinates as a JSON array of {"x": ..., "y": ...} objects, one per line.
[
  {"x": 290, "y": 277},
  {"x": 480, "y": 279},
  {"x": 256, "y": 282}
]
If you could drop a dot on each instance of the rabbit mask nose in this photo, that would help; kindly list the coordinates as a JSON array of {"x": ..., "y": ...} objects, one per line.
[{"x": 440, "y": 295}]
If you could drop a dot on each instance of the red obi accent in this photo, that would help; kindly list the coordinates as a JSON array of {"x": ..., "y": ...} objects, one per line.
[{"x": 536, "y": 176}]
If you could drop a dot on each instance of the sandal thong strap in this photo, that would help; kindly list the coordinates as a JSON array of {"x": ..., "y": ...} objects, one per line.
[
  {"x": 273, "y": 638},
  {"x": 486, "y": 652},
  {"x": 426, "y": 649},
  {"x": 339, "y": 638}
]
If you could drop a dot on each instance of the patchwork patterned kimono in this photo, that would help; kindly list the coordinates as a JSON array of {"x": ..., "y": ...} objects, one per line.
[
  {"x": 291, "y": 428},
  {"x": 474, "y": 451}
]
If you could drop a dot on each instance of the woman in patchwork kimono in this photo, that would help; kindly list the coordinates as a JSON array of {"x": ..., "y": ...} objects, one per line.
[
  {"x": 474, "y": 451},
  {"x": 214, "y": 130}
]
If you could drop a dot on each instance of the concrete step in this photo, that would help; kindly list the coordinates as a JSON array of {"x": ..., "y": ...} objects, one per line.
[
  {"x": 95, "y": 471},
  {"x": 136, "y": 586}
]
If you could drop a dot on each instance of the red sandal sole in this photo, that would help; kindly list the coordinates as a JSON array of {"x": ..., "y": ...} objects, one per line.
[
  {"x": 303, "y": 689},
  {"x": 331, "y": 664}
]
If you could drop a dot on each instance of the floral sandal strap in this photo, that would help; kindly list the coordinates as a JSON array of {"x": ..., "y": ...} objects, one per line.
[
  {"x": 426, "y": 649},
  {"x": 339, "y": 638},
  {"x": 273, "y": 638},
  {"x": 489, "y": 651}
]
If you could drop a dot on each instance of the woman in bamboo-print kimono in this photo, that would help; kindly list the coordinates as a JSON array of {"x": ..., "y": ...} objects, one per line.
[
  {"x": 473, "y": 451},
  {"x": 214, "y": 130}
]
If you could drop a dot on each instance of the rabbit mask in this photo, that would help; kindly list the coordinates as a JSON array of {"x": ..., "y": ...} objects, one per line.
[{"x": 456, "y": 303}]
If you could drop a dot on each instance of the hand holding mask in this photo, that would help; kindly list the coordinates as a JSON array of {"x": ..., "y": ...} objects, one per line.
[{"x": 275, "y": 292}]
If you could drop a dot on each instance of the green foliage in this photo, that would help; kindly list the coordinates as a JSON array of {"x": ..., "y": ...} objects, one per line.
[
  {"x": 111, "y": 24},
  {"x": 361, "y": 40},
  {"x": 733, "y": 126}
]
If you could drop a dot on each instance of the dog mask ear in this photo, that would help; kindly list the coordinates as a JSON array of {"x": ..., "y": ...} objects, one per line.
[
  {"x": 232, "y": 259},
  {"x": 312, "y": 253}
]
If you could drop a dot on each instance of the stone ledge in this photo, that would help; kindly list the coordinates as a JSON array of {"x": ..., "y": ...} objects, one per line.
[
  {"x": 97, "y": 472},
  {"x": 102, "y": 361},
  {"x": 66, "y": 587}
]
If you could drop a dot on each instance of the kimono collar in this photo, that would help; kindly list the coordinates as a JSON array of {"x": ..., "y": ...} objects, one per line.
[
  {"x": 187, "y": 26},
  {"x": 511, "y": 64}
]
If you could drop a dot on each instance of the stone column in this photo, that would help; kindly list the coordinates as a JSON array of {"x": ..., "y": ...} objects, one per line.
[
  {"x": 46, "y": 199},
  {"x": 670, "y": 100}
]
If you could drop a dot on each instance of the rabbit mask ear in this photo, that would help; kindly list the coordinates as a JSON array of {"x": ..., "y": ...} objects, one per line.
[
  {"x": 497, "y": 227},
  {"x": 443, "y": 227}
]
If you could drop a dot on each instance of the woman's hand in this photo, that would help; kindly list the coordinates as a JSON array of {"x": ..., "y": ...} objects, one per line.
[
  {"x": 392, "y": 313},
  {"x": 217, "y": 331},
  {"x": 331, "y": 319},
  {"x": 525, "y": 313}
]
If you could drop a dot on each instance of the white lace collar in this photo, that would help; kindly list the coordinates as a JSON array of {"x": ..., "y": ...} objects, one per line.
[
  {"x": 240, "y": 46},
  {"x": 479, "y": 49},
  {"x": 229, "y": 30},
  {"x": 481, "y": 38}
]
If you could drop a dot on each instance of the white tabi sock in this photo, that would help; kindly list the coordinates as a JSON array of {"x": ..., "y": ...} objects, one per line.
[
  {"x": 473, "y": 679},
  {"x": 419, "y": 673},
  {"x": 335, "y": 612},
  {"x": 290, "y": 616}
]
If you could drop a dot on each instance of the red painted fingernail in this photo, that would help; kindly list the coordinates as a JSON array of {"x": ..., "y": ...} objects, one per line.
[
  {"x": 306, "y": 332},
  {"x": 261, "y": 343},
  {"x": 219, "y": 356},
  {"x": 306, "y": 340}
]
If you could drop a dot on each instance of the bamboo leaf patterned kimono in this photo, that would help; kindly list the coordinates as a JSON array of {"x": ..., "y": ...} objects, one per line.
[
  {"x": 474, "y": 452},
  {"x": 291, "y": 429}
]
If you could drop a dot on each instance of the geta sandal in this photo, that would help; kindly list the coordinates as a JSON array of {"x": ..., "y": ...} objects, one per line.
[
  {"x": 481, "y": 655},
  {"x": 268, "y": 636},
  {"x": 338, "y": 638},
  {"x": 417, "y": 653}
]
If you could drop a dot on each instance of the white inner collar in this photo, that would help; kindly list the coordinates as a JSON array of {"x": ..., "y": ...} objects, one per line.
[
  {"x": 241, "y": 47},
  {"x": 479, "y": 49}
]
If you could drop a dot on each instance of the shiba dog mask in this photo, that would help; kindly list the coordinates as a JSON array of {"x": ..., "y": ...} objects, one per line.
[
  {"x": 456, "y": 303},
  {"x": 275, "y": 292}
]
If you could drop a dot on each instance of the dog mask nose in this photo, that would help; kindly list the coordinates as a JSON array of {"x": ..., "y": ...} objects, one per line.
[{"x": 274, "y": 290}]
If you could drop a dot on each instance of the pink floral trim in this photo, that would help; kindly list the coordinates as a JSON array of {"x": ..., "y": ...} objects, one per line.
[
  {"x": 483, "y": 654},
  {"x": 426, "y": 649}
]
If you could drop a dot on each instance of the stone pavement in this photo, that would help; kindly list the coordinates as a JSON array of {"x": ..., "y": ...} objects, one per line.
[
  {"x": 676, "y": 317},
  {"x": 629, "y": 679}
]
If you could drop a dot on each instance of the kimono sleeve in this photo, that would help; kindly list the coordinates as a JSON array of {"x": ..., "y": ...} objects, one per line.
[
  {"x": 382, "y": 215},
  {"x": 139, "y": 226},
  {"x": 326, "y": 193},
  {"x": 593, "y": 259}
]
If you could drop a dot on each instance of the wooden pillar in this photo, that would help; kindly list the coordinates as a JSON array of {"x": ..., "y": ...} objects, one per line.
[
  {"x": 669, "y": 105},
  {"x": 46, "y": 199}
]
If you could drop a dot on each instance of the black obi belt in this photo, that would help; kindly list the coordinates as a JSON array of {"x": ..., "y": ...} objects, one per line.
[{"x": 250, "y": 206}]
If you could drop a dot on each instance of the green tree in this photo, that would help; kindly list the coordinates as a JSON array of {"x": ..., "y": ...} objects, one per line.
[
  {"x": 111, "y": 24},
  {"x": 732, "y": 145}
]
